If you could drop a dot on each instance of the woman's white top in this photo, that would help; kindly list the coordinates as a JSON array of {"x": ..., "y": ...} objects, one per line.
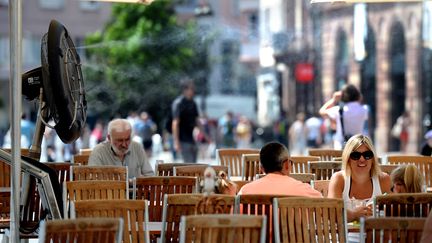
[{"x": 375, "y": 184}]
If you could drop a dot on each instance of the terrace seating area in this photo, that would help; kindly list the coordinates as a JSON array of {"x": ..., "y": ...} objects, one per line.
[{"x": 168, "y": 207}]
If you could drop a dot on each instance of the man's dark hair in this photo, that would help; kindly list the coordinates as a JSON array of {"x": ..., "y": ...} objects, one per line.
[
  {"x": 350, "y": 93},
  {"x": 272, "y": 156}
]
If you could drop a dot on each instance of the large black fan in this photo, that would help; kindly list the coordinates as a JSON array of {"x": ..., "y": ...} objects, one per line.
[
  {"x": 59, "y": 87},
  {"x": 61, "y": 80}
]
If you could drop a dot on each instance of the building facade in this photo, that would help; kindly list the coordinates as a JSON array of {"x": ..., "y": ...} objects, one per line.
[{"x": 391, "y": 74}]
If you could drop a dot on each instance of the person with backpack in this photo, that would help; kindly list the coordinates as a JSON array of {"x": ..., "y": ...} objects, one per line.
[
  {"x": 350, "y": 116},
  {"x": 145, "y": 128}
]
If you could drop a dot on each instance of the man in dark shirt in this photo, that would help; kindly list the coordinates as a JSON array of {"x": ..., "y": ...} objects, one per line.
[
  {"x": 185, "y": 119},
  {"x": 426, "y": 148}
]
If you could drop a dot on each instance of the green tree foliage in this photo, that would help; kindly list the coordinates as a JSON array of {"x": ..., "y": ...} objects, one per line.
[{"x": 135, "y": 64}]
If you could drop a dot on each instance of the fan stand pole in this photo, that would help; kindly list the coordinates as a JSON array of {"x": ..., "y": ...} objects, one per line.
[{"x": 35, "y": 149}]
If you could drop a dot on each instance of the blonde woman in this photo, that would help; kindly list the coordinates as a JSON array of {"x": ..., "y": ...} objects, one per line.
[
  {"x": 360, "y": 178},
  {"x": 407, "y": 178}
]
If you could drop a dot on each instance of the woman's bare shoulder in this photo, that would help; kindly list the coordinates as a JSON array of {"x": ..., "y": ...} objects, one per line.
[
  {"x": 336, "y": 185},
  {"x": 385, "y": 182},
  {"x": 338, "y": 176}
]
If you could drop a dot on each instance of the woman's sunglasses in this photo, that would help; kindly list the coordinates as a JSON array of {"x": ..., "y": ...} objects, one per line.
[{"x": 366, "y": 155}]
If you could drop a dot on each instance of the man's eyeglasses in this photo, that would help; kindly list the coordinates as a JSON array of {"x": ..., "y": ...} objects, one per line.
[{"x": 366, "y": 155}]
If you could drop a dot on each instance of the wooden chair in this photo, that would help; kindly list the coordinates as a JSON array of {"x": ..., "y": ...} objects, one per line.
[
  {"x": 258, "y": 204},
  {"x": 240, "y": 184},
  {"x": 403, "y": 205},
  {"x": 177, "y": 205},
  {"x": 197, "y": 170},
  {"x": 32, "y": 211},
  {"x": 5, "y": 169},
  {"x": 388, "y": 168},
  {"x": 323, "y": 170},
  {"x": 133, "y": 212},
  {"x": 300, "y": 163},
  {"x": 325, "y": 154},
  {"x": 154, "y": 189},
  {"x": 85, "y": 151},
  {"x": 93, "y": 190},
  {"x": 232, "y": 158},
  {"x": 80, "y": 159},
  {"x": 5, "y": 172},
  {"x": 167, "y": 169},
  {"x": 391, "y": 229},
  {"x": 321, "y": 186},
  {"x": 62, "y": 169},
  {"x": 303, "y": 219},
  {"x": 99, "y": 172},
  {"x": 424, "y": 163},
  {"x": 223, "y": 228},
  {"x": 250, "y": 166},
  {"x": 303, "y": 177},
  {"x": 5, "y": 196},
  {"x": 84, "y": 230}
]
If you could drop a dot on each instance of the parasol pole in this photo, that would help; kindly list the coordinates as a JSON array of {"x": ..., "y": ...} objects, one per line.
[{"x": 15, "y": 29}]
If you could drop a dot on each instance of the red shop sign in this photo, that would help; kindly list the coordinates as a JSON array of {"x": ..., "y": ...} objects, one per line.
[{"x": 304, "y": 73}]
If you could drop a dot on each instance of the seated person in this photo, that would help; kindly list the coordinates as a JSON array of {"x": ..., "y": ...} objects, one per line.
[
  {"x": 275, "y": 162},
  {"x": 407, "y": 178},
  {"x": 360, "y": 178},
  {"x": 119, "y": 149}
]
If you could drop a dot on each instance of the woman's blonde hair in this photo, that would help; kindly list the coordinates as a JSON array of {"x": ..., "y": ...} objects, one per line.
[
  {"x": 410, "y": 176},
  {"x": 354, "y": 143}
]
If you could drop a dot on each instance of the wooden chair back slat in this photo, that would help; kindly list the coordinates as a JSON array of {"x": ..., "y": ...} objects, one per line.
[
  {"x": 258, "y": 204},
  {"x": 232, "y": 158},
  {"x": 424, "y": 163},
  {"x": 133, "y": 212},
  {"x": 5, "y": 172},
  {"x": 391, "y": 229},
  {"x": 154, "y": 189},
  {"x": 177, "y": 205},
  {"x": 303, "y": 177},
  {"x": 321, "y": 186},
  {"x": 250, "y": 166},
  {"x": 85, "y": 151},
  {"x": 326, "y": 154},
  {"x": 300, "y": 163},
  {"x": 388, "y": 168},
  {"x": 303, "y": 219},
  {"x": 5, "y": 196},
  {"x": 84, "y": 230},
  {"x": 105, "y": 172},
  {"x": 324, "y": 170},
  {"x": 403, "y": 205},
  {"x": 93, "y": 190},
  {"x": 167, "y": 169},
  {"x": 223, "y": 228},
  {"x": 198, "y": 170}
]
